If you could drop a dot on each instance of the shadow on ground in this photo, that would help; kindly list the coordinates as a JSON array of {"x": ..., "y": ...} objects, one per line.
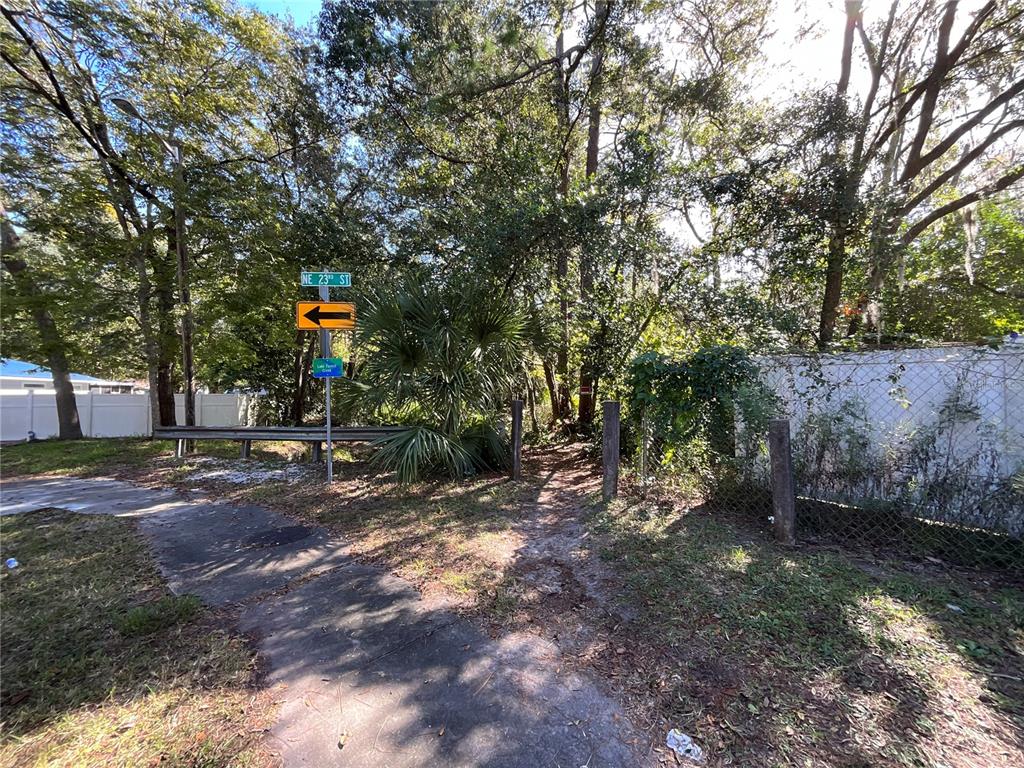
[
  {"x": 805, "y": 654},
  {"x": 361, "y": 667}
]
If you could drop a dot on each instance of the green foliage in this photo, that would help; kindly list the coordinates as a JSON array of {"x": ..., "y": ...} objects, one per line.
[
  {"x": 688, "y": 409},
  {"x": 148, "y": 618},
  {"x": 682, "y": 399},
  {"x": 454, "y": 136},
  {"x": 938, "y": 298},
  {"x": 444, "y": 362},
  {"x": 269, "y": 179}
]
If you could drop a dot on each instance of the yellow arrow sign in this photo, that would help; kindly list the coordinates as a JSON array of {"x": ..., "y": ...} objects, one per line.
[{"x": 331, "y": 315}]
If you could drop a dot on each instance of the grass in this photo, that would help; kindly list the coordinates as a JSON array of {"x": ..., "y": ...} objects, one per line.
[
  {"x": 158, "y": 615},
  {"x": 455, "y": 537},
  {"x": 810, "y": 657},
  {"x": 102, "y": 666},
  {"x": 78, "y": 457},
  {"x": 120, "y": 455},
  {"x": 766, "y": 656}
]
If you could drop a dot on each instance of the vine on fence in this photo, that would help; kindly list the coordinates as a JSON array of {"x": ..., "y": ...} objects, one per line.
[
  {"x": 947, "y": 469},
  {"x": 685, "y": 413}
]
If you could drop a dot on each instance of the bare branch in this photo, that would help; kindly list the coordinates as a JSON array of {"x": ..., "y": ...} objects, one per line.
[
  {"x": 947, "y": 143},
  {"x": 955, "y": 205},
  {"x": 966, "y": 159}
]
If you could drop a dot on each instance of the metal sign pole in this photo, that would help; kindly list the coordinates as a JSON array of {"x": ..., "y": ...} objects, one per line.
[
  {"x": 330, "y": 449},
  {"x": 325, "y": 351}
]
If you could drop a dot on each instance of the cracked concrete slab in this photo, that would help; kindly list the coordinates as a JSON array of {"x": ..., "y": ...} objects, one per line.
[
  {"x": 89, "y": 496},
  {"x": 365, "y": 671}
]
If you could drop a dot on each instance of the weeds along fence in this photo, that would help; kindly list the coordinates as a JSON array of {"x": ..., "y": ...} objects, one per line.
[
  {"x": 915, "y": 451},
  {"x": 920, "y": 450},
  {"x": 695, "y": 429}
]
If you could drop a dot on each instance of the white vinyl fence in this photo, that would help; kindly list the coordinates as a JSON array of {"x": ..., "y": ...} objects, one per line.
[{"x": 35, "y": 411}]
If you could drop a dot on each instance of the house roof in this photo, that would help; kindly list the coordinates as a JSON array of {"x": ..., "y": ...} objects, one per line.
[{"x": 19, "y": 369}]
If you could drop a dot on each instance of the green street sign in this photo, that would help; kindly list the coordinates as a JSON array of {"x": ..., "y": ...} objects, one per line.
[
  {"x": 328, "y": 368},
  {"x": 329, "y": 279}
]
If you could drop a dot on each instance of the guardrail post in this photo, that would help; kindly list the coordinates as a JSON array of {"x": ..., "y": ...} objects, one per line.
[
  {"x": 246, "y": 451},
  {"x": 783, "y": 491},
  {"x": 317, "y": 453},
  {"x": 610, "y": 452},
  {"x": 179, "y": 448},
  {"x": 517, "y": 439}
]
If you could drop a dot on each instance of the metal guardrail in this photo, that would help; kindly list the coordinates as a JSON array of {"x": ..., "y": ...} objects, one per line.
[
  {"x": 246, "y": 435},
  {"x": 300, "y": 434}
]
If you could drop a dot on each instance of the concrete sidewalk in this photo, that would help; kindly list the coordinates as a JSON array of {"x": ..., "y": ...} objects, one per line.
[{"x": 368, "y": 674}]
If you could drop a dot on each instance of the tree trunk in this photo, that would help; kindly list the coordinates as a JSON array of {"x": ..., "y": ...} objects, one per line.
[
  {"x": 184, "y": 290},
  {"x": 833, "y": 282},
  {"x": 149, "y": 345},
  {"x": 294, "y": 410},
  {"x": 883, "y": 232},
  {"x": 531, "y": 396},
  {"x": 836, "y": 259},
  {"x": 561, "y": 405},
  {"x": 68, "y": 426},
  {"x": 167, "y": 337},
  {"x": 549, "y": 379},
  {"x": 301, "y": 362},
  {"x": 588, "y": 372}
]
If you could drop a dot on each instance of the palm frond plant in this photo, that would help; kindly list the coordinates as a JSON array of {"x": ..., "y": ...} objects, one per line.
[{"x": 444, "y": 362}]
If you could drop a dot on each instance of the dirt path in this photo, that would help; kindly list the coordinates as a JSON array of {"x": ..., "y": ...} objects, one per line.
[{"x": 556, "y": 554}]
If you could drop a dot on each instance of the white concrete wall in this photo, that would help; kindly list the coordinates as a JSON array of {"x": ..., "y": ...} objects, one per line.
[
  {"x": 904, "y": 390},
  {"x": 889, "y": 446},
  {"x": 108, "y": 415}
]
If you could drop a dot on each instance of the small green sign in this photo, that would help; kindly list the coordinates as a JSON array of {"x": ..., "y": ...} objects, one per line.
[
  {"x": 329, "y": 279},
  {"x": 328, "y": 368}
]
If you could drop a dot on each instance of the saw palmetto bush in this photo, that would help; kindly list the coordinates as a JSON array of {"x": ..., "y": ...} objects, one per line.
[{"x": 444, "y": 362}]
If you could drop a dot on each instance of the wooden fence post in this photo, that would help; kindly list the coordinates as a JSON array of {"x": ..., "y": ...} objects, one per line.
[
  {"x": 783, "y": 492},
  {"x": 517, "y": 439},
  {"x": 610, "y": 452}
]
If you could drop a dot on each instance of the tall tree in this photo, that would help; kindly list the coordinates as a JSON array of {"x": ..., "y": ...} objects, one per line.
[
  {"x": 588, "y": 372},
  {"x": 231, "y": 88},
  {"x": 62, "y": 91},
  {"x": 934, "y": 135},
  {"x": 846, "y": 182},
  {"x": 51, "y": 339}
]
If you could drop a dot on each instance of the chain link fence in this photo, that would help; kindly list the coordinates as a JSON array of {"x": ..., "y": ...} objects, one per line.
[
  {"x": 916, "y": 450},
  {"x": 913, "y": 452}
]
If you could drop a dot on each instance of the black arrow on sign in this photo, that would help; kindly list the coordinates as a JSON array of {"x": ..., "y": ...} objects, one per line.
[{"x": 315, "y": 315}]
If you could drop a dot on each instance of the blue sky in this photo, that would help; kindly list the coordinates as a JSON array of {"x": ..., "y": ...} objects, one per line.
[{"x": 301, "y": 10}]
